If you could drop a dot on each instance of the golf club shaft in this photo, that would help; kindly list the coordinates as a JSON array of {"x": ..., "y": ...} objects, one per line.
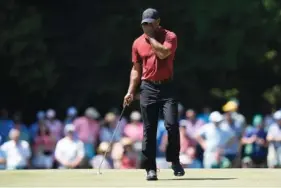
[{"x": 113, "y": 135}]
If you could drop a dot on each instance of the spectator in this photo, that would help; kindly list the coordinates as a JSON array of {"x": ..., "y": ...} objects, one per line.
[
  {"x": 54, "y": 124},
  {"x": 108, "y": 128},
  {"x": 161, "y": 141},
  {"x": 160, "y": 138},
  {"x": 192, "y": 125},
  {"x": 43, "y": 148},
  {"x": 33, "y": 130},
  {"x": 187, "y": 150},
  {"x": 229, "y": 124},
  {"x": 189, "y": 160},
  {"x": 5, "y": 125},
  {"x": 69, "y": 150},
  {"x": 274, "y": 140},
  {"x": 70, "y": 115},
  {"x": 17, "y": 124},
  {"x": 204, "y": 116},
  {"x": 123, "y": 122},
  {"x": 2, "y": 160},
  {"x": 214, "y": 140},
  {"x": 184, "y": 144},
  {"x": 233, "y": 107},
  {"x": 87, "y": 128},
  {"x": 181, "y": 111},
  {"x": 255, "y": 145},
  {"x": 16, "y": 151},
  {"x": 107, "y": 161},
  {"x": 268, "y": 120},
  {"x": 129, "y": 158},
  {"x": 134, "y": 130},
  {"x": 117, "y": 154}
]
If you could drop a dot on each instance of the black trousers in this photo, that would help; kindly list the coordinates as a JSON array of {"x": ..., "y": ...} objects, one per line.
[{"x": 155, "y": 98}]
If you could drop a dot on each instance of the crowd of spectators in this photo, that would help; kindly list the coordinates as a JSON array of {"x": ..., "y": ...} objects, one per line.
[{"x": 208, "y": 140}]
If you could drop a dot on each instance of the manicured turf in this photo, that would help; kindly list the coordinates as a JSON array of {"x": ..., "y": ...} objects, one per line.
[{"x": 136, "y": 178}]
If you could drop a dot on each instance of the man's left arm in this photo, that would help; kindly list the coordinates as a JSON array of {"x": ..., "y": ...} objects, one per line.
[{"x": 167, "y": 48}]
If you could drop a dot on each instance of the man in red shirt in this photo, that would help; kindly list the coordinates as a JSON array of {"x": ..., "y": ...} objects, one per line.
[{"x": 152, "y": 55}]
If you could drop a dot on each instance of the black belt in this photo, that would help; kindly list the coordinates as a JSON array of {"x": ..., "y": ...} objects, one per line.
[{"x": 165, "y": 81}]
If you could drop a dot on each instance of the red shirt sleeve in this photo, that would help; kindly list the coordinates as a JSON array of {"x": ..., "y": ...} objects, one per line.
[
  {"x": 171, "y": 41},
  {"x": 135, "y": 55}
]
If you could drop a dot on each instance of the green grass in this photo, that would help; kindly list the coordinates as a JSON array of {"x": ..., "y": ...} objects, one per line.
[{"x": 136, "y": 178}]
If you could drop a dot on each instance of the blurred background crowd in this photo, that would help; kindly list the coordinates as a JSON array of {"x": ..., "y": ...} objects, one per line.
[{"x": 208, "y": 139}]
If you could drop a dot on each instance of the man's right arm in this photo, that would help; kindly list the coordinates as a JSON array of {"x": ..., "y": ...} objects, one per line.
[
  {"x": 270, "y": 134},
  {"x": 199, "y": 138},
  {"x": 135, "y": 77}
]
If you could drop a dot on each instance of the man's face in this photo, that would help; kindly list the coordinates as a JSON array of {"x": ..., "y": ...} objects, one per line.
[
  {"x": 150, "y": 27},
  {"x": 190, "y": 114},
  {"x": 228, "y": 117},
  {"x": 15, "y": 135},
  {"x": 70, "y": 134}
]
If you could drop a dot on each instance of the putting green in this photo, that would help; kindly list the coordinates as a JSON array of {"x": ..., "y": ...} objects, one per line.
[{"x": 136, "y": 178}]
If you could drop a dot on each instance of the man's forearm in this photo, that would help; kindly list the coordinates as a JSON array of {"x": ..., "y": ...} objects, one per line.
[
  {"x": 77, "y": 161},
  {"x": 134, "y": 81},
  {"x": 61, "y": 161},
  {"x": 201, "y": 141},
  {"x": 270, "y": 139},
  {"x": 160, "y": 50}
]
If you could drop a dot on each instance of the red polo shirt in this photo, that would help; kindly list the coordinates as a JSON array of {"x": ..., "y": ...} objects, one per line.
[{"x": 154, "y": 68}]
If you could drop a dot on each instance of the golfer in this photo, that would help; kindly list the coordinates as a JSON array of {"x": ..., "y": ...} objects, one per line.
[{"x": 152, "y": 56}]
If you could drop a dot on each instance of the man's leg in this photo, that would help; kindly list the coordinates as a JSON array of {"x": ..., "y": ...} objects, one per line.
[
  {"x": 149, "y": 112},
  {"x": 170, "y": 110}
]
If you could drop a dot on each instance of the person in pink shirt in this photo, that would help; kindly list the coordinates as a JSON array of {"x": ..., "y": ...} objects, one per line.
[
  {"x": 183, "y": 140},
  {"x": 134, "y": 130},
  {"x": 192, "y": 125},
  {"x": 129, "y": 158},
  {"x": 55, "y": 126},
  {"x": 43, "y": 147},
  {"x": 87, "y": 129}
]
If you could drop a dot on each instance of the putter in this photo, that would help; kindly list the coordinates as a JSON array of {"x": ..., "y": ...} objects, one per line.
[{"x": 117, "y": 126}]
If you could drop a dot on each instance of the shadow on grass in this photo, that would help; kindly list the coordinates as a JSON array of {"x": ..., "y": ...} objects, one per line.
[{"x": 198, "y": 179}]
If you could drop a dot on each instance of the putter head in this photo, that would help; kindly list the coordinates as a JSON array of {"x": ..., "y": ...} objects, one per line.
[{"x": 99, "y": 173}]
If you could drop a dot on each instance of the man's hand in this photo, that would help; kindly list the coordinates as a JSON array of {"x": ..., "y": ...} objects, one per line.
[
  {"x": 128, "y": 99},
  {"x": 278, "y": 139},
  {"x": 260, "y": 141},
  {"x": 253, "y": 139},
  {"x": 66, "y": 164},
  {"x": 73, "y": 165}
]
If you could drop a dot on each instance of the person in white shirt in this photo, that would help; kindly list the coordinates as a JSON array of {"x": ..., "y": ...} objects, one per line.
[
  {"x": 274, "y": 140},
  {"x": 16, "y": 151},
  {"x": 69, "y": 150},
  {"x": 213, "y": 140}
]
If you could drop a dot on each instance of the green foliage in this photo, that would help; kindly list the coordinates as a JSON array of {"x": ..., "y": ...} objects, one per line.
[
  {"x": 74, "y": 52},
  {"x": 227, "y": 94},
  {"x": 22, "y": 43},
  {"x": 273, "y": 95}
]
